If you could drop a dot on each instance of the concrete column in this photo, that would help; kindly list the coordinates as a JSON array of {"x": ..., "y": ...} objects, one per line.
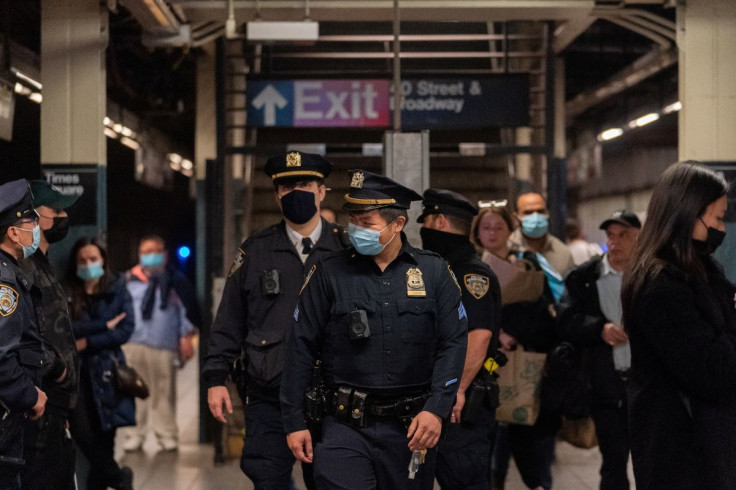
[
  {"x": 406, "y": 160},
  {"x": 74, "y": 36},
  {"x": 706, "y": 36}
]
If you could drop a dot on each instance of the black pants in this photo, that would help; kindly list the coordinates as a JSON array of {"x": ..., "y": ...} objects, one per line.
[
  {"x": 266, "y": 459},
  {"x": 96, "y": 445},
  {"x": 612, "y": 429},
  {"x": 49, "y": 453},
  {"x": 464, "y": 454},
  {"x": 374, "y": 457}
]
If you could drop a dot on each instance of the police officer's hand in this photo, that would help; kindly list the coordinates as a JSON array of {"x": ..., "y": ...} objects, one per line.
[
  {"x": 424, "y": 431},
  {"x": 40, "y": 405},
  {"x": 216, "y": 397},
  {"x": 613, "y": 335},
  {"x": 300, "y": 443},
  {"x": 458, "y": 408}
]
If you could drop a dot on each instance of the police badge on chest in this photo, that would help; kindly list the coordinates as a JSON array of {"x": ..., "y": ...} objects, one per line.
[{"x": 415, "y": 283}]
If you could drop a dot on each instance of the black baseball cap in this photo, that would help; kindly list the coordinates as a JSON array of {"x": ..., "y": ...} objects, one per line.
[
  {"x": 45, "y": 194},
  {"x": 622, "y": 217}
]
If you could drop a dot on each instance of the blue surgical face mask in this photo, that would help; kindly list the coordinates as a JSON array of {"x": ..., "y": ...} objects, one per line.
[
  {"x": 365, "y": 240},
  {"x": 90, "y": 271},
  {"x": 29, "y": 250},
  {"x": 153, "y": 260},
  {"x": 535, "y": 225}
]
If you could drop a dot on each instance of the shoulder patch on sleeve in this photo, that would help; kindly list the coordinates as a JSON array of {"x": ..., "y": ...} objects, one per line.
[
  {"x": 309, "y": 276},
  {"x": 477, "y": 284},
  {"x": 8, "y": 300},
  {"x": 239, "y": 259},
  {"x": 454, "y": 279}
]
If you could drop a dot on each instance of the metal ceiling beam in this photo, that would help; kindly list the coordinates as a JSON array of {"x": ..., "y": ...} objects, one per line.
[
  {"x": 409, "y": 55},
  {"x": 646, "y": 66},
  {"x": 382, "y": 10}
]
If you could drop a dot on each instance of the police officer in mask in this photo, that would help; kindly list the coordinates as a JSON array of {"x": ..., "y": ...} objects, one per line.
[
  {"x": 22, "y": 356},
  {"x": 48, "y": 448},
  {"x": 256, "y": 309},
  {"x": 386, "y": 322},
  {"x": 463, "y": 455}
]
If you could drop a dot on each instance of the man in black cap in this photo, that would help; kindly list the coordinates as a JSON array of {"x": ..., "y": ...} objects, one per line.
[
  {"x": 48, "y": 448},
  {"x": 463, "y": 455},
  {"x": 590, "y": 316},
  {"x": 256, "y": 309},
  {"x": 386, "y": 322},
  {"x": 22, "y": 355}
]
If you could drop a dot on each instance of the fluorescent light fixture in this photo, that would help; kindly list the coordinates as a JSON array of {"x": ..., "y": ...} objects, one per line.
[
  {"x": 107, "y": 121},
  {"x": 174, "y": 157},
  {"x": 28, "y": 79},
  {"x": 610, "y": 134},
  {"x": 175, "y": 165},
  {"x": 282, "y": 31},
  {"x": 130, "y": 143},
  {"x": 472, "y": 149},
  {"x": 187, "y": 171},
  {"x": 372, "y": 149},
  {"x": 117, "y": 127},
  {"x": 674, "y": 107},
  {"x": 110, "y": 133},
  {"x": 126, "y": 131},
  {"x": 645, "y": 119},
  {"x": 187, "y": 164},
  {"x": 22, "y": 89},
  {"x": 36, "y": 97}
]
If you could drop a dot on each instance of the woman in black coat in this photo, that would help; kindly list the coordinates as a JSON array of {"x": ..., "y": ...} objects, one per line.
[
  {"x": 678, "y": 310},
  {"x": 102, "y": 320}
]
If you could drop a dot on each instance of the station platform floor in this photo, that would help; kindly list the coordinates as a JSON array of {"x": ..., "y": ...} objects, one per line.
[{"x": 192, "y": 467}]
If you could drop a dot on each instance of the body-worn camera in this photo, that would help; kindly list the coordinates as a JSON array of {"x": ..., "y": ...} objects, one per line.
[
  {"x": 270, "y": 283},
  {"x": 358, "y": 325}
]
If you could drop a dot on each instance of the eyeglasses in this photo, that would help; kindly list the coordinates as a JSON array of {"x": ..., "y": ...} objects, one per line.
[{"x": 493, "y": 204}]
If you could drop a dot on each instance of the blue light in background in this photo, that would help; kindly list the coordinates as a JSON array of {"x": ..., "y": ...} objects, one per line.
[{"x": 184, "y": 252}]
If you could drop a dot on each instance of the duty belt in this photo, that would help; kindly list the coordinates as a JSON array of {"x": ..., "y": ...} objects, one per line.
[{"x": 351, "y": 405}]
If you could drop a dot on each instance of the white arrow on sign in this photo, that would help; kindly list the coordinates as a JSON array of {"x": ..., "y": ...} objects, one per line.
[{"x": 269, "y": 98}]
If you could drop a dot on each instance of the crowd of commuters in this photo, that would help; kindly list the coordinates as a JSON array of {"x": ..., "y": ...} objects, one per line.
[{"x": 392, "y": 350}]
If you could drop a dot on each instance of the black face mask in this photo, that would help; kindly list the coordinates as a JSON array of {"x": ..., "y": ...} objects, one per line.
[
  {"x": 298, "y": 206},
  {"x": 441, "y": 242},
  {"x": 58, "y": 231},
  {"x": 714, "y": 239}
]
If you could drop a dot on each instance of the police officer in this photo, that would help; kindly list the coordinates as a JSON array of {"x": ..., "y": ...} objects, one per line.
[
  {"x": 22, "y": 355},
  {"x": 48, "y": 448},
  {"x": 257, "y": 306},
  {"x": 386, "y": 322},
  {"x": 463, "y": 455}
]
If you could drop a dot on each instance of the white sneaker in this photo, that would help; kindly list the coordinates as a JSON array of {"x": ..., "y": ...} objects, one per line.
[
  {"x": 133, "y": 444},
  {"x": 169, "y": 444}
]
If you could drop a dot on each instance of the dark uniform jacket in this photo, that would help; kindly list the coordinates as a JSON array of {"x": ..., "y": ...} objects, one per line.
[
  {"x": 580, "y": 321},
  {"x": 22, "y": 355},
  {"x": 418, "y": 330},
  {"x": 114, "y": 408},
  {"x": 682, "y": 391},
  {"x": 256, "y": 321},
  {"x": 481, "y": 293},
  {"x": 57, "y": 334}
]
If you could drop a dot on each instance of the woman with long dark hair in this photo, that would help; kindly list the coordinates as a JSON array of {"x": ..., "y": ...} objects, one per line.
[
  {"x": 678, "y": 310},
  {"x": 102, "y": 320}
]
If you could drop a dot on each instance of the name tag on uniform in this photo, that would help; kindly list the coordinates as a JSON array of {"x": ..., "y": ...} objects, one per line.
[{"x": 415, "y": 283}]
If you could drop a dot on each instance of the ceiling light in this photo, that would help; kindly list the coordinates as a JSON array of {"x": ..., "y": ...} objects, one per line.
[
  {"x": 107, "y": 121},
  {"x": 646, "y": 119},
  {"x": 110, "y": 133},
  {"x": 117, "y": 127},
  {"x": 28, "y": 79},
  {"x": 36, "y": 97},
  {"x": 186, "y": 164},
  {"x": 282, "y": 31},
  {"x": 126, "y": 131},
  {"x": 130, "y": 143},
  {"x": 610, "y": 134},
  {"x": 674, "y": 107},
  {"x": 174, "y": 157}
]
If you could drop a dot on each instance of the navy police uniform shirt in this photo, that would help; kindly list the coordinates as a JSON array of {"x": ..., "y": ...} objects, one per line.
[
  {"x": 418, "y": 330},
  {"x": 480, "y": 289},
  {"x": 22, "y": 354},
  {"x": 252, "y": 315}
]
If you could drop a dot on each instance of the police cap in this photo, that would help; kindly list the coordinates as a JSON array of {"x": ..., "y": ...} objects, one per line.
[
  {"x": 371, "y": 191},
  {"x": 45, "y": 194},
  {"x": 16, "y": 202},
  {"x": 442, "y": 201},
  {"x": 623, "y": 217},
  {"x": 296, "y": 165}
]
